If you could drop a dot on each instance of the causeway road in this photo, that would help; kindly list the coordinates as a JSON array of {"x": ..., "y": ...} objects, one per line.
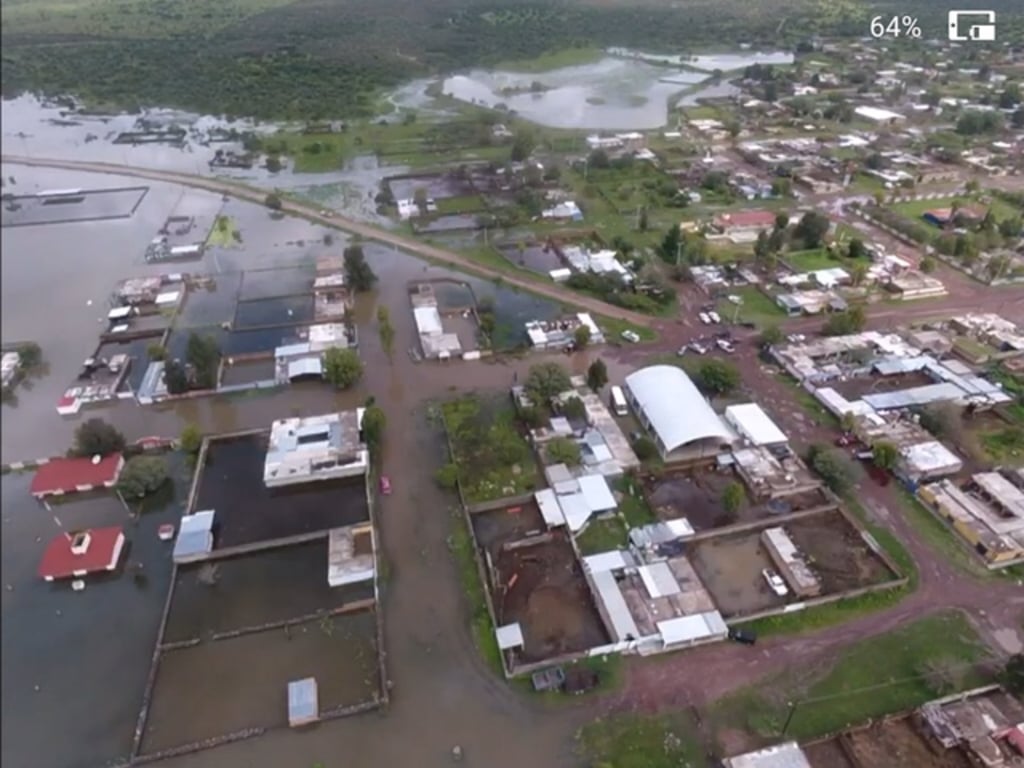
[{"x": 335, "y": 221}]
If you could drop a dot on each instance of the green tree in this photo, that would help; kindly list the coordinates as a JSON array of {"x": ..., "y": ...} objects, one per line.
[
  {"x": 191, "y": 439},
  {"x": 642, "y": 220},
  {"x": 273, "y": 201},
  {"x": 358, "y": 273},
  {"x": 574, "y": 408},
  {"x": 546, "y": 381},
  {"x": 858, "y": 273},
  {"x": 645, "y": 449},
  {"x": 885, "y": 455},
  {"x": 342, "y": 367},
  {"x": 562, "y": 450},
  {"x": 733, "y": 498},
  {"x": 156, "y": 351},
  {"x": 1013, "y": 674},
  {"x": 581, "y": 336},
  {"x": 856, "y": 249},
  {"x": 597, "y": 375},
  {"x": 523, "y": 144},
  {"x": 717, "y": 377},
  {"x": 30, "y": 354},
  {"x": 96, "y": 437},
  {"x": 812, "y": 228},
  {"x": 374, "y": 423},
  {"x": 848, "y": 421},
  {"x": 771, "y": 336},
  {"x": 203, "y": 354},
  {"x": 386, "y": 330},
  {"x": 274, "y": 165},
  {"x": 175, "y": 377},
  {"x": 927, "y": 265},
  {"x": 845, "y": 323},
  {"x": 141, "y": 476},
  {"x": 833, "y": 467}
]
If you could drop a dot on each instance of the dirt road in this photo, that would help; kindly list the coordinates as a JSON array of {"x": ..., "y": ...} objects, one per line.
[{"x": 360, "y": 228}]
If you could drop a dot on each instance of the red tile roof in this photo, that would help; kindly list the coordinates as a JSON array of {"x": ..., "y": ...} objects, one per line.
[
  {"x": 102, "y": 554},
  {"x": 68, "y": 475},
  {"x": 746, "y": 219}
]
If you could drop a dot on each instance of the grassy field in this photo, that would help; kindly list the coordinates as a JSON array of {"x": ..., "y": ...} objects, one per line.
[
  {"x": 809, "y": 261},
  {"x": 613, "y": 328},
  {"x": 567, "y": 57},
  {"x": 756, "y": 308},
  {"x": 633, "y": 506},
  {"x": 915, "y": 209},
  {"x": 225, "y": 233},
  {"x": 602, "y": 536},
  {"x": 885, "y": 674},
  {"x": 668, "y": 741}
]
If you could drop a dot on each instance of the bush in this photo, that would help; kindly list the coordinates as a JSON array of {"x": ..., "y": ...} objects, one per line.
[
  {"x": 645, "y": 449},
  {"x": 833, "y": 467},
  {"x": 272, "y": 200},
  {"x": 717, "y": 377},
  {"x": 29, "y": 355},
  {"x": 573, "y": 408},
  {"x": 597, "y": 375},
  {"x": 374, "y": 422},
  {"x": 191, "y": 440},
  {"x": 156, "y": 352},
  {"x": 845, "y": 323},
  {"x": 546, "y": 381},
  {"x": 562, "y": 450},
  {"x": 141, "y": 476},
  {"x": 358, "y": 273},
  {"x": 96, "y": 437},
  {"x": 447, "y": 476}
]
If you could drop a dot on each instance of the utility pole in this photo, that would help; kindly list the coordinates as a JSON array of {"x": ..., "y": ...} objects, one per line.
[{"x": 789, "y": 718}]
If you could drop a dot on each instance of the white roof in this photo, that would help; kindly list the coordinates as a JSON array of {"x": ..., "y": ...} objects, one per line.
[
  {"x": 169, "y": 297},
  {"x": 658, "y": 579},
  {"x": 686, "y": 629},
  {"x": 549, "y": 509},
  {"x": 195, "y": 537},
  {"x": 676, "y": 410},
  {"x": 787, "y": 755},
  {"x": 754, "y": 424},
  {"x": 615, "y": 560},
  {"x": 118, "y": 312},
  {"x": 575, "y": 510},
  {"x": 876, "y": 113},
  {"x": 305, "y": 366},
  {"x": 621, "y": 619},
  {"x": 931, "y": 457},
  {"x": 597, "y": 493},
  {"x": 509, "y": 636},
  {"x": 428, "y": 320}
]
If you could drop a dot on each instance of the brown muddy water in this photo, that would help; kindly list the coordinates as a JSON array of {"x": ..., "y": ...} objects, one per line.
[{"x": 443, "y": 694}]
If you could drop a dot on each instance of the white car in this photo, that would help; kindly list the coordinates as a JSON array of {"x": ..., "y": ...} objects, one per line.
[
  {"x": 631, "y": 336},
  {"x": 714, "y": 317},
  {"x": 796, "y": 338},
  {"x": 775, "y": 582},
  {"x": 700, "y": 349},
  {"x": 705, "y": 318},
  {"x": 725, "y": 345}
]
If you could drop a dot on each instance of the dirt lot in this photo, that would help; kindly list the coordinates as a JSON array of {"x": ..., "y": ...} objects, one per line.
[
  {"x": 827, "y": 754},
  {"x": 542, "y": 587},
  {"x": 697, "y": 497},
  {"x": 249, "y": 591},
  {"x": 897, "y": 744},
  {"x": 225, "y": 686},
  {"x": 837, "y": 552},
  {"x": 730, "y": 567},
  {"x": 492, "y": 529}
]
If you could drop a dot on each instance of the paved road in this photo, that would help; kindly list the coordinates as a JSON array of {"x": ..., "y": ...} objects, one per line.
[{"x": 363, "y": 229}]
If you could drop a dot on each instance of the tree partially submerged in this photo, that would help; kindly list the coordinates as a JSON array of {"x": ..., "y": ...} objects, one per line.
[
  {"x": 342, "y": 367},
  {"x": 374, "y": 422},
  {"x": 96, "y": 437},
  {"x": 358, "y": 273},
  {"x": 546, "y": 381},
  {"x": 141, "y": 476}
]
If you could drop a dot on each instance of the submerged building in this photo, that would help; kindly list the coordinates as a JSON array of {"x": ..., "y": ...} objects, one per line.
[{"x": 326, "y": 447}]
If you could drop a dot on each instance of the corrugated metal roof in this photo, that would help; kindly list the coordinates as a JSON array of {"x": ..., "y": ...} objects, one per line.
[
  {"x": 195, "y": 536},
  {"x": 428, "y": 320},
  {"x": 575, "y": 510},
  {"x": 623, "y": 626},
  {"x": 597, "y": 493},
  {"x": 303, "y": 701},
  {"x": 676, "y": 410},
  {"x": 788, "y": 755},
  {"x": 658, "y": 579},
  {"x": 509, "y": 636},
  {"x": 547, "y": 501},
  {"x": 609, "y": 561},
  {"x": 754, "y": 424},
  {"x": 305, "y": 366},
  {"x": 684, "y": 629}
]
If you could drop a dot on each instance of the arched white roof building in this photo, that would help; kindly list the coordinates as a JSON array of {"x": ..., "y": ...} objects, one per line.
[{"x": 673, "y": 409}]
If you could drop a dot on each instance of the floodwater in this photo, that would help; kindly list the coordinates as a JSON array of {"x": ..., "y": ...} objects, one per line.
[
  {"x": 626, "y": 91},
  {"x": 74, "y": 664},
  {"x": 443, "y": 694}
]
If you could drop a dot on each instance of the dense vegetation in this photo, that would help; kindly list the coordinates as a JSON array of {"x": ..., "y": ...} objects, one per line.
[{"x": 316, "y": 58}]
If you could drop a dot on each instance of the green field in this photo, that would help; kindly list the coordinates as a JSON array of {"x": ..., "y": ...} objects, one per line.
[
  {"x": 461, "y": 545},
  {"x": 225, "y": 233},
  {"x": 602, "y": 536},
  {"x": 812, "y": 260},
  {"x": 915, "y": 209},
  {"x": 886, "y": 674},
  {"x": 567, "y": 57},
  {"x": 756, "y": 308},
  {"x": 667, "y": 741}
]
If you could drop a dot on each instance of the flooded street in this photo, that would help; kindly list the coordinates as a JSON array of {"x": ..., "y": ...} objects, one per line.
[{"x": 443, "y": 694}]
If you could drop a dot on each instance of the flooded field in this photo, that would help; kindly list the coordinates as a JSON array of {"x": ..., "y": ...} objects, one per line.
[
  {"x": 248, "y": 512},
  {"x": 253, "y": 590},
  {"x": 534, "y": 257},
  {"x": 61, "y": 672},
  {"x": 225, "y": 686},
  {"x": 84, "y": 205},
  {"x": 284, "y": 310},
  {"x": 281, "y": 281},
  {"x": 248, "y": 372}
]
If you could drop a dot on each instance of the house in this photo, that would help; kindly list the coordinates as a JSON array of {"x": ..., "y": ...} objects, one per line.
[
  {"x": 945, "y": 217},
  {"x": 75, "y": 555},
  {"x": 744, "y": 223},
  {"x": 878, "y": 115},
  {"x": 61, "y": 476},
  {"x": 324, "y": 447},
  {"x": 566, "y": 211}
]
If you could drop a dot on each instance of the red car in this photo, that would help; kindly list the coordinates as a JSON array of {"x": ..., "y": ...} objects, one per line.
[{"x": 385, "y": 485}]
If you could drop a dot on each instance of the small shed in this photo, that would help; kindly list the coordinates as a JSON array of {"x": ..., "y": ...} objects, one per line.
[
  {"x": 303, "y": 702},
  {"x": 195, "y": 537},
  {"x": 510, "y": 636}
]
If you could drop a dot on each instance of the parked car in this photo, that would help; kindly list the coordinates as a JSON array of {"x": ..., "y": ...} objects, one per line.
[
  {"x": 714, "y": 317},
  {"x": 725, "y": 345},
  {"x": 385, "y": 485},
  {"x": 705, "y": 318},
  {"x": 682, "y": 350},
  {"x": 795, "y": 338},
  {"x": 700, "y": 349},
  {"x": 742, "y": 636},
  {"x": 775, "y": 582},
  {"x": 631, "y": 336}
]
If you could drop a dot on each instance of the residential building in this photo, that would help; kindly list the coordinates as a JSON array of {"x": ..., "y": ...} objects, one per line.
[
  {"x": 60, "y": 476},
  {"x": 326, "y": 447}
]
